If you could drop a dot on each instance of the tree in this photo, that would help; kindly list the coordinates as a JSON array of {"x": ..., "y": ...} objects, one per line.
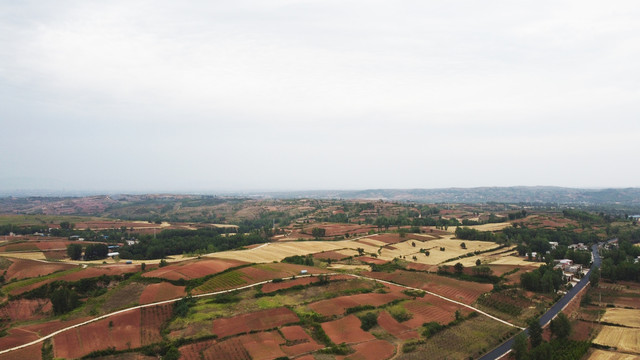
[
  {"x": 96, "y": 251},
  {"x": 535, "y": 332},
  {"x": 368, "y": 320},
  {"x": 478, "y": 262},
  {"x": 143, "y": 266},
  {"x": 65, "y": 225},
  {"x": 64, "y": 300},
  {"x": 318, "y": 232},
  {"x": 560, "y": 326},
  {"x": 595, "y": 277},
  {"x": 74, "y": 251},
  {"x": 543, "y": 352},
  {"x": 458, "y": 267},
  {"x": 463, "y": 245},
  {"x": 520, "y": 346}
]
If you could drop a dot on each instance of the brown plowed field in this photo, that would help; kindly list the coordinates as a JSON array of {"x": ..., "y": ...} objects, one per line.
[
  {"x": 431, "y": 308},
  {"x": 393, "y": 327},
  {"x": 463, "y": 291},
  {"x": 25, "y": 309},
  {"x": 263, "y": 345},
  {"x": 151, "y": 320},
  {"x": 271, "y": 287},
  {"x": 89, "y": 272},
  {"x": 300, "y": 342},
  {"x": 376, "y": 349},
  {"x": 23, "y": 268},
  {"x": 160, "y": 292},
  {"x": 193, "y": 269},
  {"x": 337, "y": 306},
  {"x": 192, "y": 351},
  {"x": 422, "y": 267},
  {"x": 260, "y": 320},
  {"x": 387, "y": 238},
  {"x": 30, "y": 352},
  {"x": 346, "y": 330},
  {"x": 231, "y": 349},
  {"x": 124, "y": 333}
]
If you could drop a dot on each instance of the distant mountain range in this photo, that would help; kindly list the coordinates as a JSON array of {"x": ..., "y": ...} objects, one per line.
[{"x": 516, "y": 194}]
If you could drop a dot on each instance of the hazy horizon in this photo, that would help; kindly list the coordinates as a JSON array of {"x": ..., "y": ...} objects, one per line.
[{"x": 137, "y": 96}]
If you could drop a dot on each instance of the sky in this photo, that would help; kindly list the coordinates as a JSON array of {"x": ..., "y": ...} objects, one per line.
[{"x": 211, "y": 96}]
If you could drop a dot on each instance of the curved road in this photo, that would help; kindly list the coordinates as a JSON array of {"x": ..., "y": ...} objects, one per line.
[{"x": 505, "y": 348}]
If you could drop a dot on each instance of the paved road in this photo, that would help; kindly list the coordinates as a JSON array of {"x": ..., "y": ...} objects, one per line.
[{"x": 505, "y": 348}]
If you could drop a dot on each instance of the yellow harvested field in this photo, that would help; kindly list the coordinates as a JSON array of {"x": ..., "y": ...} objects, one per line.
[
  {"x": 623, "y": 339},
  {"x": 516, "y": 260},
  {"x": 452, "y": 249},
  {"x": 277, "y": 251},
  {"x": 610, "y": 355},
  {"x": 35, "y": 255},
  {"x": 624, "y": 317},
  {"x": 486, "y": 258},
  {"x": 349, "y": 267},
  {"x": 490, "y": 227}
]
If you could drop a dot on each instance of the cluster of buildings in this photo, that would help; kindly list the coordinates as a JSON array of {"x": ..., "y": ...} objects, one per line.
[{"x": 570, "y": 270}]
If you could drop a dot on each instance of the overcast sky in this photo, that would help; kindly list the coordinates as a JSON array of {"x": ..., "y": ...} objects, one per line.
[{"x": 291, "y": 95}]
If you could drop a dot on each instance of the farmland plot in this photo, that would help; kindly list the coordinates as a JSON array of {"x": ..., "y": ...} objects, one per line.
[
  {"x": 470, "y": 338},
  {"x": 624, "y": 339},
  {"x": 624, "y": 317}
]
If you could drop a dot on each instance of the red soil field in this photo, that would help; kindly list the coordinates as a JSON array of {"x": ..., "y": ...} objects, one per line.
[
  {"x": 395, "y": 328},
  {"x": 300, "y": 342},
  {"x": 160, "y": 292},
  {"x": 431, "y": 308},
  {"x": 231, "y": 349},
  {"x": 263, "y": 345},
  {"x": 271, "y": 287},
  {"x": 463, "y": 291},
  {"x": 364, "y": 241},
  {"x": 337, "y": 306},
  {"x": 23, "y": 268},
  {"x": 30, "y": 352},
  {"x": 25, "y": 309},
  {"x": 346, "y": 330},
  {"x": 295, "y": 333},
  {"x": 151, "y": 320},
  {"x": 333, "y": 255},
  {"x": 260, "y": 320},
  {"x": 89, "y": 272},
  {"x": 376, "y": 349},
  {"x": 370, "y": 260},
  {"x": 123, "y": 334},
  {"x": 17, "y": 336},
  {"x": 388, "y": 238},
  {"x": 192, "y": 351},
  {"x": 422, "y": 267},
  {"x": 193, "y": 269}
]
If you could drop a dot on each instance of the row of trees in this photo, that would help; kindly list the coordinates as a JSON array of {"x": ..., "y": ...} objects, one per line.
[
  {"x": 91, "y": 251},
  {"x": 559, "y": 348},
  {"x": 175, "y": 242}
]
